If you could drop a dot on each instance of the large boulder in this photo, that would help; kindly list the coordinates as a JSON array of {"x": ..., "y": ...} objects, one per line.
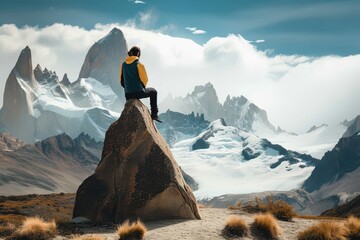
[{"x": 137, "y": 176}]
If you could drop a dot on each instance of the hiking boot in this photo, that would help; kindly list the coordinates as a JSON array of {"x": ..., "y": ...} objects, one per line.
[{"x": 156, "y": 118}]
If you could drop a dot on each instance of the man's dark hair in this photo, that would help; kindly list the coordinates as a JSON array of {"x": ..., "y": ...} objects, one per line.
[{"x": 134, "y": 51}]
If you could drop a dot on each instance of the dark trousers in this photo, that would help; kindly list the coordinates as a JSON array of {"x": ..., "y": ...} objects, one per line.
[{"x": 145, "y": 93}]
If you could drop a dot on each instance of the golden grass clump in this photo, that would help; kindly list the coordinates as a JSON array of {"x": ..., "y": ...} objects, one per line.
[
  {"x": 327, "y": 230},
  {"x": 280, "y": 209},
  {"x": 130, "y": 231},
  {"x": 352, "y": 225},
  {"x": 34, "y": 228},
  {"x": 87, "y": 237},
  {"x": 267, "y": 226},
  {"x": 235, "y": 226},
  {"x": 255, "y": 206},
  {"x": 237, "y": 206}
]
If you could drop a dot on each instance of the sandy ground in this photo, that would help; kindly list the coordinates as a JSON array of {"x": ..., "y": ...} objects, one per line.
[{"x": 210, "y": 227}]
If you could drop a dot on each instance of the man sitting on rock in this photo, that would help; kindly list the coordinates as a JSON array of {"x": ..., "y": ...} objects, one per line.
[{"x": 134, "y": 79}]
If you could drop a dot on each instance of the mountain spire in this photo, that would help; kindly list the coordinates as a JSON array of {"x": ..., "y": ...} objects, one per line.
[
  {"x": 23, "y": 68},
  {"x": 103, "y": 59}
]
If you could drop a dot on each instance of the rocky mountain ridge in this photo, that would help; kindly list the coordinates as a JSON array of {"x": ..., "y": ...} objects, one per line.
[
  {"x": 237, "y": 111},
  {"x": 56, "y": 164},
  {"x": 37, "y": 105}
]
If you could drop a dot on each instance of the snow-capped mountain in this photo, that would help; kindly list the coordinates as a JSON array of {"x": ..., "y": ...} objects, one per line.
[
  {"x": 237, "y": 111},
  {"x": 99, "y": 75},
  {"x": 202, "y": 100},
  {"x": 37, "y": 105},
  {"x": 224, "y": 159},
  {"x": 316, "y": 142},
  {"x": 240, "y": 112},
  {"x": 335, "y": 179},
  {"x": 177, "y": 126}
]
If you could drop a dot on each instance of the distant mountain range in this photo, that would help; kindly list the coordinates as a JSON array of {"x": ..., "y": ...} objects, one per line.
[
  {"x": 237, "y": 111},
  {"x": 37, "y": 105},
  {"x": 333, "y": 181},
  {"x": 56, "y": 164},
  {"x": 335, "y": 178}
]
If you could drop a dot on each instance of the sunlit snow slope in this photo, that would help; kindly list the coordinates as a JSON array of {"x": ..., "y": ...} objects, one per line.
[{"x": 228, "y": 160}]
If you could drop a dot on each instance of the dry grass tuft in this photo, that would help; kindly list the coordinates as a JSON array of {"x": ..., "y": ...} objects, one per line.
[
  {"x": 59, "y": 207},
  {"x": 237, "y": 206},
  {"x": 328, "y": 230},
  {"x": 235, "y": 226},
  {"x": 352, "y": 225},
  {"x": 130, "y": 231},
  {"x": 35, "y": 228},
  {"x": 280, "y": 209},
  {"x": 87, "y": 237},
  {"x": 266, "y": 225}
]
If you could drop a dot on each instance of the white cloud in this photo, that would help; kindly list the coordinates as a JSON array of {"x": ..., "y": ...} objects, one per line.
[
  {"x": 137, "y": 1},
  {"x": 260, "y": 41},
  {"x": 196, "y": 31},
  {"x": 191, "y": 28},
  {"x": 296, "y": 91}
]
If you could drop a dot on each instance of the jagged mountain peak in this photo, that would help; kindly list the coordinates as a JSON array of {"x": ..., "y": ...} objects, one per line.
[
  {"x": 115, "y": 31},
  {"x": 314, "y": 128},
  {"x": 207, "y": 88},
  {"x": 103, "y": 59},
  {"x": 236, "y": 100},
  {"x": 114, "y": 35},
  {"x": 23, "y": 67},
  {"x": 45, "y": 76},
  {"x": 65, "y": 80},
  {"x": 38, "y": 67}
]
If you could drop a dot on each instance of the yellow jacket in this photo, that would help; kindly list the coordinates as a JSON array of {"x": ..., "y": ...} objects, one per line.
[{"x": 133, "y": 75}]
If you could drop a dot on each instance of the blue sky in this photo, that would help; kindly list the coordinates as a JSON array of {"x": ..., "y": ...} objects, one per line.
[{"x": 312, "y": 28}]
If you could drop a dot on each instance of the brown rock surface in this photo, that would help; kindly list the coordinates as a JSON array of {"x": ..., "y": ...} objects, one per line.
[
  {"x": 17, "y": 109},
  {"x": 137, "y": 177}
]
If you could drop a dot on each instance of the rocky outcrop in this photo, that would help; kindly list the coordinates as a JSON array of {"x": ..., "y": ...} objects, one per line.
[
  {"x": 351, "y": 208},
  {"x": 137, "y": 177}
]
